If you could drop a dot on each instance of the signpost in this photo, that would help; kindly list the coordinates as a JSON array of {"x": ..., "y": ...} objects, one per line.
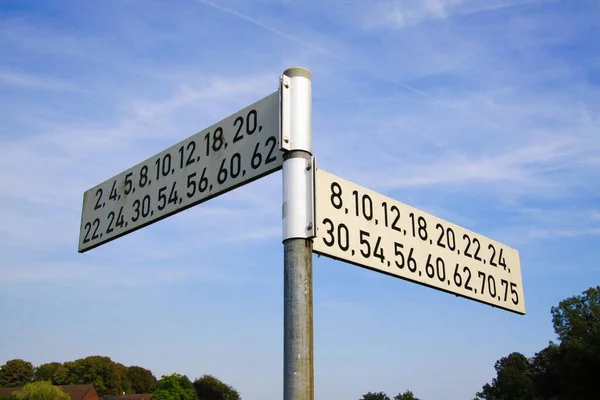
[
  {"x": 370, "y": 230},
  {"x": 235, "y": 151},
  {"x": 348, "y": 222}
]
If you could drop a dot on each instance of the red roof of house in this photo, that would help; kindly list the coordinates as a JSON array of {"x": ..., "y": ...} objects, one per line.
[{"x": 143, "y": 396}]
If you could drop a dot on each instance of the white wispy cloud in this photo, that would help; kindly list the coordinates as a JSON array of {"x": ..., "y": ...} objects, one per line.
[
  {"x": 30, "y": 81},
  {"x": 402, "y": 13}
]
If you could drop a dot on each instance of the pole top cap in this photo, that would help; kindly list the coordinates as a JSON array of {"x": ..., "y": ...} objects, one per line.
[{"x": 298, "y": 71}]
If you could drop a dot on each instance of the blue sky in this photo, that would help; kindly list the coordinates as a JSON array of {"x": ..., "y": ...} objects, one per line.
[{"x": 484, "y": 113}]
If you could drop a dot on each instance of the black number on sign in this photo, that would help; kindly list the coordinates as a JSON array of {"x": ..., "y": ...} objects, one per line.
[
  {"x": 162, "y": 198},
  {"x": 504, "y": 283},
  {"x": 378, "y": 251},
  {"x": 363, "y": 240},
  {"x": 482, "y": 276},
  {"x": 238, "y": 136},
  {"x": 120, "y": 218},
  {"x": 457, "y": 277},
  {"x": 146, "y": 206},
  {"x": 222, "y": 176},
  {"x": 441, "y": 238},
  {"x": 128, "y": 183},
  {"x": 491, "y": 285},
  {"x": 476, "y": 255},
  {"x": 143, "y": 176},
  {"x": 251, "y": 122},
  {"x": 336, "y": 195},
  {"x": 111, "y": 218},
  {"x": 136, "y": 207},
  {"x": 513, "y": 292},
  {"x": 99, "y": 196},
  {"x": 113, "y": 191},
  {"x": 411, "y": 261},
  {"x": 398, "y": 252},
  {"x": 88, "y": 228},
  {"x": 330, "y": 231},
  {"x": 501, "y": 260},
  {"x": 270, "y": 156},
  {"x": 191, "y": 183},
  {"x": 166, "y": 166},
  {"x": 468, "y": 271},
  {"x": 385, "y": 215},
  {"x": 96, "y": 226},
  {"x": 173, "y": 196},
  {"x": 429, "y": 270},
  {"x": 468, "y": 239},
  {"x": 217, "y": 140},
  {"x": 422, "y": 226},
  {"x": 343, "y": 237},
  {"x": 203, "y": 183},
  {"x": 450, "y": 239},
  {"x": 235, "y": 165},
  {"x": 440, "y": 269},
  {"x": 191, "y": 148},
  {"x": 367, "y": 205},
  {"x": 492, "y": 261},
  {"x": 256, "y": 157}
]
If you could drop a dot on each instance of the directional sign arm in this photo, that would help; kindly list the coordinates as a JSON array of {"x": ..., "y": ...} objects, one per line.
[
  {"x": 233, "y": 152},
  {"x": 370, "y": 230}
]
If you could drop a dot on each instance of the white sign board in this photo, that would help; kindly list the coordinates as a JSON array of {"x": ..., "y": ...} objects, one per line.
[
  {"x": 370, "y": 230},
  {"x": 235, "y": 151}
]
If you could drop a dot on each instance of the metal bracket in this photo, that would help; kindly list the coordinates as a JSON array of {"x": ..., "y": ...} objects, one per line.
[
  {"x": 312, "y": 198},
  {"x": 298, "y": 210},
  {"x": 284, "y": 113}
]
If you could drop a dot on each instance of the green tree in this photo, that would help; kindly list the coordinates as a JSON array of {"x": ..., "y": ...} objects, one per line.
[
  {"x": 100, "y": 371},
  {"x": 16, "y": 372},
  {"x": 123, "y": 382},
  {"x": 564, "y": 371},
  {"x": 170, "y": 387},
  {"x": 41, "y": 391},
  {"x": 577, "y": 318},
  {"x": 514, "y": 380},
  {"x": 546, "y": 369},
  {"x": 45, "y": 372},
  {"x": 210, "y": 388},
  {"x": 408, "y": 395},
  {"x": 577, "y": 324},
  {"x": 142, "y": 380},
  {"x": 185, "y": 382},
  {"x": 62, "y": 374},
  {"x": 375, "y": 396}
]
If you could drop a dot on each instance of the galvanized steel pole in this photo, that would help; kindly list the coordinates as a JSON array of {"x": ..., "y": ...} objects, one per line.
[{"x": 298, "y": 228}]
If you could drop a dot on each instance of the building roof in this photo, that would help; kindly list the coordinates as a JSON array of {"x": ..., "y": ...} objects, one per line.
[
  {"x": 5, "y": 391},
  {"x": 76, "y": 392},
  {"x": 143, "y": 396},
  {"x": 131, "y": 396}
]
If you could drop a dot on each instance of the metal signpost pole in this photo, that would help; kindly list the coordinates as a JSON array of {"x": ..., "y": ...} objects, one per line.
[{"x": 298, "y": 229}]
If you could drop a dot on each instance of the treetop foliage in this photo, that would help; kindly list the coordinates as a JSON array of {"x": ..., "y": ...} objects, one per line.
[
  {"x": 111, "y": 378},
  {"x": 561, "y": 371}
]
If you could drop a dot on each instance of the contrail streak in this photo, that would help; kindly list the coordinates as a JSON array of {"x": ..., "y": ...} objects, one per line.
[{"x": 312, "y": 46}]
